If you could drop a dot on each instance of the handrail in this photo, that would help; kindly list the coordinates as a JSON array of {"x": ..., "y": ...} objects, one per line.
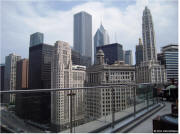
[{"x": 59, "y": 89}]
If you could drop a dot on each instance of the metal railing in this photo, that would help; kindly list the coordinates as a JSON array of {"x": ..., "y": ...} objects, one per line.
[{"x": 101, "y": 105}]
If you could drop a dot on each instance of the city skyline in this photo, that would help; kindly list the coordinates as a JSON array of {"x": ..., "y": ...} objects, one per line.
[{"x": 29, "y": 19}]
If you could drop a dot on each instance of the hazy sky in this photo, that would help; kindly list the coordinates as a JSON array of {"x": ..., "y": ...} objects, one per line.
[{"x": 54, "y": 18}]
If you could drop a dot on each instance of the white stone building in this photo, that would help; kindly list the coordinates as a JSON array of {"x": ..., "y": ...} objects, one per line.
[
  {"x": 98, "y": 101},
  {"x": 64, "y": 75},
  {"x": 151, "y": 72}
]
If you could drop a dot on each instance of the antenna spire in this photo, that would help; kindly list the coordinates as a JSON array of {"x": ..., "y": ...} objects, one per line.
[{"x": 101, "y": 19}]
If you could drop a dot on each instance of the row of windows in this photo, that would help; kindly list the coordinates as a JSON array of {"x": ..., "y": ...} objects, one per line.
[
  {"x": 119, "y": 73},
  {"x": 171, "y": 60}
]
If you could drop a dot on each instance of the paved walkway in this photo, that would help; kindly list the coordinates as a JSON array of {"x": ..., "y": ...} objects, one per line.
[{"x": 146, "y": 126}]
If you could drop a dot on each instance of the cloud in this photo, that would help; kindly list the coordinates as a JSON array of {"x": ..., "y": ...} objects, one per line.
[{"x": 20, "y": 19}]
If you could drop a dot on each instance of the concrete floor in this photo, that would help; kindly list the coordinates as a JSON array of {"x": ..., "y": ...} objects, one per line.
[{"x": 146, "y": 126}]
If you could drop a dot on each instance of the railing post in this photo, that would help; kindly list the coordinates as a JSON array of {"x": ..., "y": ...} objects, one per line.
[
  {"x": 147, "y": 98},
  {"x": 71, "y": 94},
  {"x": 157, "y": 97},
  {"x": 134, "y": 88},
  {"x": 113, "y": 105},
  {"x": 153, "y": 95}
]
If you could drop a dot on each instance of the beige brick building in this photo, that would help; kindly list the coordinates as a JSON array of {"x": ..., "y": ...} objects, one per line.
[{"x": 64, "y": 75}]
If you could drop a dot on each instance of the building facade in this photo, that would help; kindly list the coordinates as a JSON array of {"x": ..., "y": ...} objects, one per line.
[
  {"x": 65, "y": 75},
  {"x": 148, "y": 34},
  {"x": 36, "y": 38},
  {"x": 169, "y": 58},
  {"x": 40, "y": 66},
  {"x": 99, "y": 101},
  {"x": 151, "y": 72},
  {"x": 21, "y": 84},
  {"x": 39, "y": 78},
  {"x": 2, "y": 70},
  {"x": 100, "y": 38},
  {"x": 128, "y": 57},
  {"x": 112, "y": 52},
  {"x": 83, "y": 33},
  {"x": 139, "y": 52},
  {"x": 10, "y": 76},
  {"x": 22, "y": 74}
]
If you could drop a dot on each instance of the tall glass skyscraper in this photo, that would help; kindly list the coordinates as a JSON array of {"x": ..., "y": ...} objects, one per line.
[
  {"x": 83, "y": 33},
  {"x": 101, "y": 38},
  {"x": 36, "y": 38},
  {"x": 148, "y": 36}
]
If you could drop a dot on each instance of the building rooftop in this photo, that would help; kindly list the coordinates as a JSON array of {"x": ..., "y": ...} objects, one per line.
[{"x": 170, "y": 47}]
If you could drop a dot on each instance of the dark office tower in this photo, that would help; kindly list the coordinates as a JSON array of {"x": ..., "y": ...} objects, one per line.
[
  {"x": 139, "y": 52},
  {"x": 2, "y": 68},
  {"x": 78, "y": 59},
  {"x": 21, "y": 83},
  {"x": 40, "y": 78},
  {"x": 75, "y": 56},
  {"x": 36, "y": 38},
  {"x": 148, "y": 34},
  {"x": 83, "y": 33},
  {"x": 112, "y": 52},
  {"x": 160, "y": 58},
  {"x": 40, "y": 66}
]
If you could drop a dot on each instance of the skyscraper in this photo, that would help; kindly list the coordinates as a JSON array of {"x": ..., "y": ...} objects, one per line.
[
  {"x": 149, "y": 71},
  {"x": 21, "y": 83},
  {"x": 39, "y": 78},
  {"x": 83, "y": 33},
  {"x": 169, "y": 58},
  {"x": 36, "y": 38},
  {"x": 65, "y": 75},
  {"x": 10, "y": 76},
  {"x": 139, "y": 52},
  {"x": 2, "y": 69},
  {"x": 112, "y": 52},
  {"x": 40, "y": 66},
  {"x": 101, "y": 38},
  {"x": 149, "y": 52},
  {"x": 128, "y": 57},
  {"x": 22, "y": 74}
]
